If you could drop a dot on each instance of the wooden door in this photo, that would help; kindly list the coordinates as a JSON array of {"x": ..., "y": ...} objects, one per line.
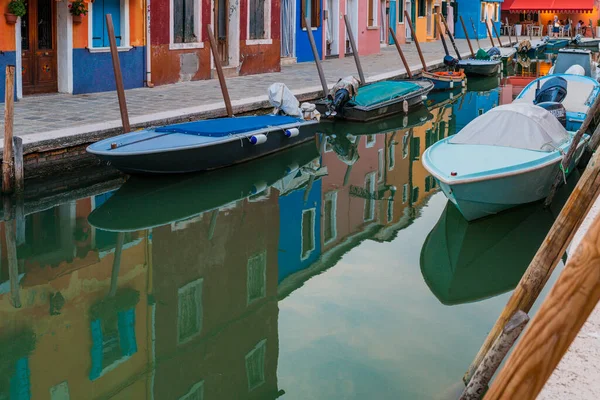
[
  {"x": 222, "y": 29},
  {"x": 38, "y": 45}
]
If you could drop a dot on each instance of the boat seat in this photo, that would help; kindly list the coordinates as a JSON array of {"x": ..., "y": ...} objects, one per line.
[
  {"x": 380, "y": 92},
  {"x": 229, "y": 126}
]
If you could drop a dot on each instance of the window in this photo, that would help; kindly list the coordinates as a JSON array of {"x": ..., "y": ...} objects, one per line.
[
  {"x": 256, "y": 281},
  {"x": 390, "y": 211},
  {"x": 415, "y": 148},
  {"x": 415, "y": 194},
  {"x": 97, "y": 29},
  {"x": 422, "y": 8},
  {"x": 372, "y": 13},
  {"x": 427, "y": 184},
  {"x": 195, "y": 393},
  {"x": 259, "y": 22},
  {"x": 189, "y": 311},
  {"x": 497, "y": 13},
  {"x": 405, "y": 145},
  {"x": 371, "y": 140},
  {"x": 369, "y": 213},
  {"x": 392, "y": 156},
  {"x": 404, "y": 193},
  {"x": 185, "y": 24},
  {"x": 442, "y": 130},
  {"x": 445, "y": 8},
  {"x": 381, "y": 166},
  {"x": 311, "y": 9},
  {"x": 481, "y": 111},
  {"x": 255, "y": 365},
  {"x": 330, "y": 220},
  {"x": 483, "y": 12},
  {"x": 401, "y": 11},
  {"x": 308, "y": 233}
]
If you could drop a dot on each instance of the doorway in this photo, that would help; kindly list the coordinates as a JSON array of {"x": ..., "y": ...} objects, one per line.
[
  {"x": 429, "y": 18},
  {"x": 333, "y": 33},
  {"x": 222, "y": 30},
  {"x": 352, "y": 12},
  {"x": 38, "y": 47}
]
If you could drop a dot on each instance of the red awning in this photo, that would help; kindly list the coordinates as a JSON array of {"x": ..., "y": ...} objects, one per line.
[{"x": 557, "y": 6}]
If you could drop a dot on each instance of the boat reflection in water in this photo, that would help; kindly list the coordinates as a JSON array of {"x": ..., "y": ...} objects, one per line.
[{"x": 465, "y": 261}]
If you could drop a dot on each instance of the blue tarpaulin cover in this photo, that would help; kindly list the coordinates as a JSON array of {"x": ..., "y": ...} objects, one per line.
[{"x": 229, "y": 126}]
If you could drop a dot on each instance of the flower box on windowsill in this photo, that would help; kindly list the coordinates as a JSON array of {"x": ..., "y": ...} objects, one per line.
[
  {"x": 77, "y": 19},
  {"x": 11, "y": 19}
]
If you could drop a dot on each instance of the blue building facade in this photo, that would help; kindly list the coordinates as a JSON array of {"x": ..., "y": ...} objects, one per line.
[
  {"x": 313, "y": 10},
  {"x": 476, "y": 13}
]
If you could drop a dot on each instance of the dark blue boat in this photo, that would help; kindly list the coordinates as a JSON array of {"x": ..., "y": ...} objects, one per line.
[{"x": 202, "y": 145}]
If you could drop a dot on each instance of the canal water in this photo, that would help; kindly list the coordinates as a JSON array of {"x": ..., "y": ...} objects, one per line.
[{"x": 334, "y": 274}]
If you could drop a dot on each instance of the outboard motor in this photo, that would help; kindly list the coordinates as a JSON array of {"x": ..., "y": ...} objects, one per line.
[
  {"x": 553, "y": 90},
  {"x": 450, "y": 61},
  {"x": 556, "y": 109},
  {"x": 344, "y": 90}
]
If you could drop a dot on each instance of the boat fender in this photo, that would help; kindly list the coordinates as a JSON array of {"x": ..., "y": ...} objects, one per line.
[
  {"x": 423, "y": 97},
  {"x": 451, "y": 84},
  {"x": 258, "y": 139},
  {"x": 451, "y": 96},
  {"x": 464, "y": 83},
  {"x": 258, "y": 187},
  {"x": 292, "y": 168},
  {"x": 405, "y": 106},
  {"x": 405, "y": 121},
  {"x": 290, "y": 133}
]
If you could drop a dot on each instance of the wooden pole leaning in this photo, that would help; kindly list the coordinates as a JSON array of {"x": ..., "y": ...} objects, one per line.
[
  {"x": 480, "y": 381},
  {"x": 408, "y": 71},
  {"x": 462, "y": 22},
  {"x": 487, "y": 27},
  {"x": 592, "y": 29},
  {"x": 9, "y": 115},
  {"x": 315, "y": 52},
  {"x": 450, "y": 36},
  {"x": 548, "y": 255},
  {"x": 510, "y": 42},
  {"x": 439, "y": 24},
  {"x": 555, "y": 326},
  {"x": 475, "y": 32},
  {"x": 497, "y": 34},
  {"x": 219, "y": 67},
  {"x": 414, "y": 36},
  {"x": 361, "y": 75},
  {"x": 118, "y": 74},
  {"x": 572, "y": 149}
]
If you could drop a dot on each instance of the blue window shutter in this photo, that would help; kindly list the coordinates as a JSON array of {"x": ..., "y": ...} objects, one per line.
[
  {"x": 113, "y": 7},
  {"x": 98, "y": 23},
  {"x": 96, "y": 352},
  {"x": 20, "y": 385},
  {"x": 126, "y": 323}
]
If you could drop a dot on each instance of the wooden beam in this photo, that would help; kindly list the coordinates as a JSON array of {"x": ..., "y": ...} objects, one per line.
[
  {"x": 361, "y": 75},
  {"x": 315, "y": 52},
  {"x": 450, "y": 36},
  {"x": 9, "y": 114},
  {"x": 592, "y": 29},
  {"x": 510, "y": 42},
  {"x": 548, "y": 255},
  {"x": 114, "y": 276},
  {"x": 462, "y": 22},
  {"x": 219, "y": 67},
  {"x": 13, "y": 265},
  {"x": 118, "y": 75},
  {"x": 497, "y": 34},
  {"x": 480, "y": 381},
  {"x": 487, "y": 27},
  {"x": 475, "y": 32},
  {"x": 439, "y": 24},
  {"x": 414, "y": 36},
  {"x": 556, "y": 324},
  {"x": 19, "y": 168},
  {"x": 406, "y": 67}
]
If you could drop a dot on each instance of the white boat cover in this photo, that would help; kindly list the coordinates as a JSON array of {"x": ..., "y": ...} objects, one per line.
[
  {"x": 284, "y": 100},
  {"x": 518, "y": 125}
]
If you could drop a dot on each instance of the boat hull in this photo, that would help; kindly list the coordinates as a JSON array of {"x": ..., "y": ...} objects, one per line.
[
  {"x": 470, "y": 68},
  {"x": 206, "y": 158},
  {"x": 444, "y": 81},
  {"x": 482, "y": 198}
]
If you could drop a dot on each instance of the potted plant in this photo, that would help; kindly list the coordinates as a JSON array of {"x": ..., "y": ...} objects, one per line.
[
  {"x": 16, "y": 9},
  {"x": 77, "y": 8}
]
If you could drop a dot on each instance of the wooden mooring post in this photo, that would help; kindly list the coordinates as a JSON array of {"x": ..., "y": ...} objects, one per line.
[
  {"x": 497, "y": 34},
  {"x": 406, "y": 67},
  {"x": 315, "y": 52},
  {"x": 414, "y": 36},
  {"x": 592, "y": 29},
  {"x": 439, "y": 24},
  {"x": 548, "y": 255},
  {"x": 114, "y": 276},
  {"x": 555, "y": 326},
  {"x": 510, "y": 42},
  {"x": 487, "y": 27},
  {"x": 475, "y": 33},
  {"x": 114, "y": 52},
  {"x": 462, "y": 22},
  {"x": 450, "y": 36},
  {"x": 9, "y": 114},
  {"x": 361, "y": 75},
  {"x": 219, "y": 67}
]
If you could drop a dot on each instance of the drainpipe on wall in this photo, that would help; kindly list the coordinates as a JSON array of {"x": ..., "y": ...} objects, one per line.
[{"x": 148, "y": 48}]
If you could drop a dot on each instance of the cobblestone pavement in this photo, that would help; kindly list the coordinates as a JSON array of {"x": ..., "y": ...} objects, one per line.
[{"x": 37, "y": 114}]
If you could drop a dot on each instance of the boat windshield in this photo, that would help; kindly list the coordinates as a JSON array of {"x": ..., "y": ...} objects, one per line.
[
  {"x": 567, "y": 59},
  {"x": 521, "y": 126},
  {"x": 578, "y": 93}
]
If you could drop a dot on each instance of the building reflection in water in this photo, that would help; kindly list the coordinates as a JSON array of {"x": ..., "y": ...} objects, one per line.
[{"x": 177, "y": 296}]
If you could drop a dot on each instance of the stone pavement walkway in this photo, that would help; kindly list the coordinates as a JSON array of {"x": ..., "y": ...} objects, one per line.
[{"x": 54, "y": 112}]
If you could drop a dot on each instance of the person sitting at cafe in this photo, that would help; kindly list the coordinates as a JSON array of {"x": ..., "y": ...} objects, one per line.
[{"x": 581, "y": 27}]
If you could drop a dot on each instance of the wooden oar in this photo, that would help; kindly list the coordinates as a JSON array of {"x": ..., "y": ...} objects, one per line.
[
  {"x": 313, "y": 46},
  {"x": 475, "y": 32},
  {"x": 354, "y": 50},
  {"x": 412, "y": 32},
  {"x": 497, "y": 34},
  {"x": 219, "y": 67},
  {"x": 393, "y": 34},
  {"x": 462, "y": 22},
  {"x": 450, "y": 36}
]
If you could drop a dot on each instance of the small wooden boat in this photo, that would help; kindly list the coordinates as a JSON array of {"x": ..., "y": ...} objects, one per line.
[
  {"x": 202, "y": 145},
  {"x": 446, "y": 80},
  {"x": 581, "y": 92},
  {"x": 507, "y": 54},
  {"x": 381, "y": 99},
  {"x": 474, "y": 67},
  {"x": 134, "y": 206},
  {"x": 507, "y": 157}
]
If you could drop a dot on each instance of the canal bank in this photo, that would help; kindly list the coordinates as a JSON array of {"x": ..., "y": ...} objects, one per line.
[{"x": 57, "y": 128}]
